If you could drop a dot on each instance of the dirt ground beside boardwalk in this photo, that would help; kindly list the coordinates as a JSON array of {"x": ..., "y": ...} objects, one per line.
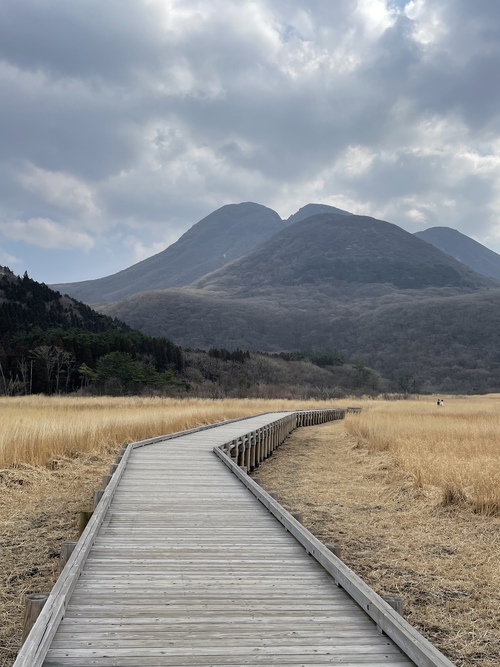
[
  {"x": 444, "y": 561},
  {"x": 39, "y": 510}
]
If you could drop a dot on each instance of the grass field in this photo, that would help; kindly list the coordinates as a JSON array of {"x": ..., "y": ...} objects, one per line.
[
  {"x": 38, "y": 429},
  {"x": 411, "y": 491},
  {"x": 54, "y": 450},
  {"x": 455, "y": 448}
]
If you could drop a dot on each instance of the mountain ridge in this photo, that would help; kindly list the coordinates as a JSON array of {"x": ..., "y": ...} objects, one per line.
[
  {"x": 335, "y": 248},
  {"x": 464, "y": 249},
  {"x": 217, "y": 239},
  {"x": 356, "y": 284}
]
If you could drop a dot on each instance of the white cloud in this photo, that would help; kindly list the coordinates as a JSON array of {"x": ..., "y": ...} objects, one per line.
[
  {"x": 59, "y": 188},
  {"x": 429, "y": 25},
  {"x": 140, "y": 250},
  {"x": 376, "y": 16},
  {"x": 46, "y": 233},
  {"x": 171, "y": 108},
  {"x": 7, "y": 259}
]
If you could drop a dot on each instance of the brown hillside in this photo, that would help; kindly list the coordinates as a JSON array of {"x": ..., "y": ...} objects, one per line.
[
  {"x": 356, "y": 284},
  {"x": 339, "y": 249}
]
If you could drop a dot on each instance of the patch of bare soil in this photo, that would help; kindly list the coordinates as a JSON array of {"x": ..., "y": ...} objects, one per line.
[
  {"x": 39, "y": 510},
  {"x": 444, "y": 561}
]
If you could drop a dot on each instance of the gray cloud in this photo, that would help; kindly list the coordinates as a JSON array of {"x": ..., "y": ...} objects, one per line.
[{"x": 123, "y": 123}]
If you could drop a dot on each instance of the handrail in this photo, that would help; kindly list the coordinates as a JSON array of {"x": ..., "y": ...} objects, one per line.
[
  {"x": 34, "y": 649},
  {"x": 234, "y": 456}
]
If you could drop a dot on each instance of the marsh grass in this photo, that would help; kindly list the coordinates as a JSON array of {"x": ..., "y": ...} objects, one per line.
[
  {"x": 455, "y": 448},
  {"x": 37, "y": 429},
  {"x": 398, "y": 536},
  {"x": 53, "y": 453}
]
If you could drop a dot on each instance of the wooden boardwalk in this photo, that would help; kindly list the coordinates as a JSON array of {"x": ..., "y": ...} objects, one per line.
[{"x": 187, "y": 567}]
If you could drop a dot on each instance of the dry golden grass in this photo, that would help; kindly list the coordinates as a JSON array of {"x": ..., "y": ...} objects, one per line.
[
  {"x": 38, "y": 428},
  {"x": 53, "y": 452},
  {"x": 455, "y": 448},
  {"x": 398, "y": 536},
  {"x": 385, "y": 504},
  {"x": 38, "y": 511}
]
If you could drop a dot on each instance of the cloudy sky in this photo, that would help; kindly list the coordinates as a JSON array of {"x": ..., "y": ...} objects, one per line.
[{"x": 124, "y": 122}]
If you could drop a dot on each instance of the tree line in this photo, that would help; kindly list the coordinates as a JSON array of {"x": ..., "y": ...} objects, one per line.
[{"x": 53, "y": 344}]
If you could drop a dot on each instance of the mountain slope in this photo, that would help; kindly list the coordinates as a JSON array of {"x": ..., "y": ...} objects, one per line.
[
  {"x": 221, "y": 237},
  {"x": 363, "y": 286},
  {"x": 442, "y": 342},
  {"x": 51, "y": 343},
  {"x": 464, "y": 249},
  {"x": 26, "y": 304},
  {"x": 309, "y": 210},
  {"x": 337, "y": 249}
]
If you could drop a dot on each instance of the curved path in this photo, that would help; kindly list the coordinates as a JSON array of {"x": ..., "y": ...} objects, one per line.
[{"x": 186, "y": 567}]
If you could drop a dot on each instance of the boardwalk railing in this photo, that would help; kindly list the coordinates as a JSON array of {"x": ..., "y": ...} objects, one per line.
[
  {"x": 34, "y": 649},
  {"x": 245, "y": 454},
  {"x": 240, "y": 455},
  {"x": 256, "y": 446}
]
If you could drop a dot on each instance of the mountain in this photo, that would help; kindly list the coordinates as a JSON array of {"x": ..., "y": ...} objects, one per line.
[
  {"x": 337, "y": 249},
  {"x": 53, "y": 344},
  {"x": 464, "y": 249},
  {"x": 360, "y": 285},
  {"x": 221, "y": 237},
  {"x": 26, "y": 304},
  {"x": 309, "y": 210}
]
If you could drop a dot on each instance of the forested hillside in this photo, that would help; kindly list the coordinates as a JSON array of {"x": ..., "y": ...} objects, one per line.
[
  {"x": 362, "y": 286},
  {"x": 52, "y": 344}
]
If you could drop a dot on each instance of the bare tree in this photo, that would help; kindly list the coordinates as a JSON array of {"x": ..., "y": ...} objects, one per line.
[{"x": 56, "y": 362}]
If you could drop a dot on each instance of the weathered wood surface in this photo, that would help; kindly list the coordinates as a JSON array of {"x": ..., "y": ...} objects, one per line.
[{"x": 184, "y": 566}]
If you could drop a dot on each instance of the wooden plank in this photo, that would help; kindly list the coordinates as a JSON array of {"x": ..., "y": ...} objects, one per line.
[
  {"x": 411, "y": 642},
  {"x": 187, "y": 568},
  {"x": 33, "y": 651}
]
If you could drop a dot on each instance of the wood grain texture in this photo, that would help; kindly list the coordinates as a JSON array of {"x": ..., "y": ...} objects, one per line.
[{"x": 188, "y": 567}]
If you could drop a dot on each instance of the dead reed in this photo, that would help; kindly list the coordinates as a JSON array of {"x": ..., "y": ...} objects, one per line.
[
  {"x": 454, "y": 447},
  {"x": 37, "y": 429},
  {"x": 53, "y": 453},
  {"x": 443, "y": 560}
]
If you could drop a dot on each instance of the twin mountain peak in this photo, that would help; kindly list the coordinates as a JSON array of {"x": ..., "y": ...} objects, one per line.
[
  {"x": 246, "y": 248},
  {"x": 244, "y": 278}
]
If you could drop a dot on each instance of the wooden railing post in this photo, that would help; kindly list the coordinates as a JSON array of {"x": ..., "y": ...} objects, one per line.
[
  {"x": 106, "y": 479},
  {"x": 83, "y": 519},
  {"x": 33, "y": 605},
  {"x": 396, "y": 602},
  {"x": 67, "y": 549},
  {"x": 258, "y": 447},
  {"x": 241, "y": 452},
  {"x": 98, "y": 493},
  {"x": 336, "y": 549},
  {"x": 246, "y": 440}
]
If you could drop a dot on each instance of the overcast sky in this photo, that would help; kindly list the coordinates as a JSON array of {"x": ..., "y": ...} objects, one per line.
[{"x": 124, "y": 122}]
